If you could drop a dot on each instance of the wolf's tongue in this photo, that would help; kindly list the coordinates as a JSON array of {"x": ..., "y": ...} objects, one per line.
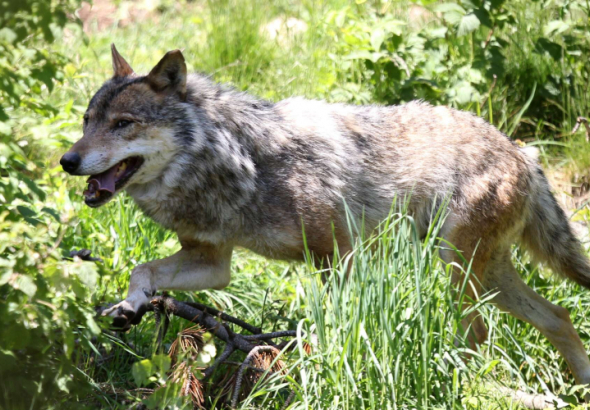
[{"x": 104, "y": 181}]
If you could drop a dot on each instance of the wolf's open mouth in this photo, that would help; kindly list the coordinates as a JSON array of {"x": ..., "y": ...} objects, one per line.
[{"x": 101, "y": 187}]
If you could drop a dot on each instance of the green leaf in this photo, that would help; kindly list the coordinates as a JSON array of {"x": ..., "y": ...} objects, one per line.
[
  {"x": 26, "y": 285},
  {"x": 555, "y": 27},
  {"x": 161, "y": 363},
  {"x": 3, "y": 115},
  {"x": 34, "y": 187},
  {"x": 91, "y": 323},
  {"x": 5, "y": 275},
  {"x": 26, "y": 211},
  {"x": 62, "y": 383},
  {"x": 33, "y": 221},
  {"x": 4, "y": 128},
  {"x": 451, "y": 12},
  {"x": 377, "y": 38},
  {"x": 88, "y": 275},
  {"x": 141, "y": 371},
  {"x": 7, "y": 35},
  {"x": 464, "y": 93},
  {"x": 468, "y": 23},
  {"x": 544, "y": 45},
  {"x": 448, "y": 8},
  {"x": 52, "y": 212}
]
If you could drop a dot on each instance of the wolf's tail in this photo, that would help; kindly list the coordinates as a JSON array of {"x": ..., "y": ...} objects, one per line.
[{"x": 548, "y": 235}]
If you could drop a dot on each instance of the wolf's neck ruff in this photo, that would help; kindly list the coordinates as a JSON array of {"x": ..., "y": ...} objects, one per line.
[{"x": 218, "y": 135}]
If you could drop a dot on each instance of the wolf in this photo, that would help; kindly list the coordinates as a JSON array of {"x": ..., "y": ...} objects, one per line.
[{"x": 222, "y": 168}]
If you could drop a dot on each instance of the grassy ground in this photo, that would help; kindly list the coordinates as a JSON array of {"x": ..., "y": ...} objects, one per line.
[{"x": 386, "y": 336}]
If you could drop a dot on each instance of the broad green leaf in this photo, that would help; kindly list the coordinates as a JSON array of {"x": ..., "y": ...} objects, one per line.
[
  {"x": 141, "y": 371},
  {"x": 7, "y": 35},
  {"x": 52, "y": 212},
  {"x": 62, "y": 383},
  {"x": 449, "y": 7},
  {"x": 377, "y": 38},
  {"x": 544, "y": 45},
  {"x": 5, "y": 273},
  {"x": 35, "y": 188},
  {"x": 452, "y": 12},
  {"x": 555, "y": 27},
  {"x": 161, "y": 363},
  {"x": 464, "y": 93},
  {"x": 88, "y": 275},
  {"x": 26, "y": 211},
  {"x": 468, "y": 23},
  {"x": 25, "y": 284},
  {"x": 4, "y": 126}
]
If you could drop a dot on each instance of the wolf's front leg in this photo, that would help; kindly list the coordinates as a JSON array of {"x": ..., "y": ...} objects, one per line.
[{"x": 196, "y": 266}]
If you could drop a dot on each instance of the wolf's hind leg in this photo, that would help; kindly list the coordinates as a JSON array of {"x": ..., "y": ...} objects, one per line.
[
  {"x": 474, "y": 328},
  {"x": 194, "y": 267},
  {"x": 525, "y": 304}
]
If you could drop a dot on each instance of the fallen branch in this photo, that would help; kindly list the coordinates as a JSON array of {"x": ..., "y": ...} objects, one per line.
[
  {"x": 225, "y": 317},
  {"x": 236, "y": 341},
  {"x": 254, "y": 345}
]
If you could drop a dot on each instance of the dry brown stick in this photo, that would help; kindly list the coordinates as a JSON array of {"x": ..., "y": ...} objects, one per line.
[
  {"x": 229, "y": 349},
  {"x": 245, "y": 343},
  {"x": 491, "y": 90},
  {"x": 202, "y": 318},
  {"x": 273, "y": 335},
  {"x": 246, "y": 365},
  {"x": 489, "y": 38},
  {"x": 226, "y": 317},
  {"x": 162, "y": 329},
  {"x": 579, "y": 121},
  {"x": 289, "y": 400}
]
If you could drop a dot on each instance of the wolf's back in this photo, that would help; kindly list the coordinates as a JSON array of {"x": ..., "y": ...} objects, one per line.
[{"x": 548, "y": 234}]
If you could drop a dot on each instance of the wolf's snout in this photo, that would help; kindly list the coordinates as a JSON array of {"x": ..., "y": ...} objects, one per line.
[{"x": 70, "y": 162}]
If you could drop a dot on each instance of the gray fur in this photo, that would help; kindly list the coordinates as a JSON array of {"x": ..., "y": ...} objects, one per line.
[{"x": 223, "y": 168}]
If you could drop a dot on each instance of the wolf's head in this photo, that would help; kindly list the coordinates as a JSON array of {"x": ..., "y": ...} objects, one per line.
[{"x": 130, "y": 127}]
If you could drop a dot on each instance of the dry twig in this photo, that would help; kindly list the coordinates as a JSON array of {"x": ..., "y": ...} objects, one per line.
[{"x": 580, "y": 121}]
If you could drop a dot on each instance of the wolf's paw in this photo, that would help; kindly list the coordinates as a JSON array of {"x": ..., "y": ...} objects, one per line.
[{"x": 128, "y": 312}]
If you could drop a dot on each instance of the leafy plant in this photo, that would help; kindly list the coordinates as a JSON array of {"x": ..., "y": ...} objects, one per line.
[
  {"x": 44, "y": 301},
  {"x": 387, "y": 333}
]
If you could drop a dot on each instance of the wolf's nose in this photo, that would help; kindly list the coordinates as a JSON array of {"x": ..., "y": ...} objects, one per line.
[{"x": 70, "y": 162}]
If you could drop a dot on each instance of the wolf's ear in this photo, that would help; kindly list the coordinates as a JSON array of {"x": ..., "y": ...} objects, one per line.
[
  {"x": 169, "y": 74},
  {"x": 120, "y": 66}
]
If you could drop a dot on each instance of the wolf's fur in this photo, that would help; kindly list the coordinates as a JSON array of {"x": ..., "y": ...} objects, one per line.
[{"x": 224, "y": 169}]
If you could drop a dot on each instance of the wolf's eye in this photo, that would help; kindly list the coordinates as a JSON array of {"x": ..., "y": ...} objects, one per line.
[
  {"x": 85, "y": 119},
  {"x": 122, "y": 124}
]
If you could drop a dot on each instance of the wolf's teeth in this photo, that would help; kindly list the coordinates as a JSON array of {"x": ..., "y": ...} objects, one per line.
[{"x": 122, "y": 168}]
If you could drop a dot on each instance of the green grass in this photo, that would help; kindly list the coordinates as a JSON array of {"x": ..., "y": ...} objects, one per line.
[{"x": 387, "y": 333}]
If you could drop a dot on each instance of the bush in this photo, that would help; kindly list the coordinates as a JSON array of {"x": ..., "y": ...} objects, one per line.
[{"x": 44, "y": 313}]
